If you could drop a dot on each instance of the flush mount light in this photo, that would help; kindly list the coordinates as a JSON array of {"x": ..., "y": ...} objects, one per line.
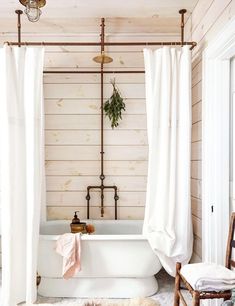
[{"x": 32, "y": 10}]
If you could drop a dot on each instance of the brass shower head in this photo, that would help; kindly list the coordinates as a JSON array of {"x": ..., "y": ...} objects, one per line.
[{"x": 103, "y": 58}]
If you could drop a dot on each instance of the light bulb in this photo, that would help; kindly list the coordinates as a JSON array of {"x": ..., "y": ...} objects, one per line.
[{"x": 33, "y": 11}]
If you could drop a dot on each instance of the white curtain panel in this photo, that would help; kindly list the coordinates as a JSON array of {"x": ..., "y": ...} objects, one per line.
[
  {"x": 167, "y": 222},
  {"x": 22, "y": 170}
]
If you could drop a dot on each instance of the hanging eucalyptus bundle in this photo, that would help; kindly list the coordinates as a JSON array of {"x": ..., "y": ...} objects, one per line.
[{"x": 114, "y": 106}]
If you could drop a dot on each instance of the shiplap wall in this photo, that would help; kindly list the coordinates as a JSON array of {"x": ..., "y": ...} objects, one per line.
[
  {"x": 72, "y": 108},
  {"x": 207, "y": 18}
]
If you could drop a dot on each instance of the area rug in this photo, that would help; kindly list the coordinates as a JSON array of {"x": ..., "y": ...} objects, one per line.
[
  {"x": 126, "y": 302},
  {"x": 129, "y": 302}
]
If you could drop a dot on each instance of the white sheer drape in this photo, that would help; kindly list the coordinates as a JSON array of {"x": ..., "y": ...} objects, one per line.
[
  {"x": 167, "y": 221},
  {"x": 22, "y": 170}
]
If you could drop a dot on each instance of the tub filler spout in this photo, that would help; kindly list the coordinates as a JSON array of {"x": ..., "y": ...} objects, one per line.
[{"x": 102, "y": 187}]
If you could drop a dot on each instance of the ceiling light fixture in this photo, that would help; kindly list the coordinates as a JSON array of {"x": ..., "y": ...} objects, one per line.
[{"x": 32, "y": 10}]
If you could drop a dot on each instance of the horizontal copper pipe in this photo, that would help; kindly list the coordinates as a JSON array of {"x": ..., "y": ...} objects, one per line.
[
  {"x": 90, "y": 71},
  {"x": 158, "y": 43}
]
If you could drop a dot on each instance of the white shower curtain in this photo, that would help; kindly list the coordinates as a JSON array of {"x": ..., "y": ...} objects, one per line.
[
  {"x": 22, "y": 170},
  {"x": 167, "y": 222}
]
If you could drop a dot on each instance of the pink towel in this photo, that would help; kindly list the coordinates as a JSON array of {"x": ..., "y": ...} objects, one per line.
[{"x": 69, "y": 246}]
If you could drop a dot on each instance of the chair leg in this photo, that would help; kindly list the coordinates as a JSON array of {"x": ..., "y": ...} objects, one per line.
[
  {"x": 177, "y": 285},
  {"x": 196, "y": 298}
]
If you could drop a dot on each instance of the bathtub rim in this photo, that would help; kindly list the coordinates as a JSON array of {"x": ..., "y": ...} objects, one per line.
[{"x": 87, "y": 237}]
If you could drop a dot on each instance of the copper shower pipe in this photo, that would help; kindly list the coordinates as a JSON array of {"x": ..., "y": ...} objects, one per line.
[
  {"x": 103, "y": 43},
  {"x": 102, "y": 176},
  {"x": 91, "y": 71},
  {"x": 102, "y": 187}
]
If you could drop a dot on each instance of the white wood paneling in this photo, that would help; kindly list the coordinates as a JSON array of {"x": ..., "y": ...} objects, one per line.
[
  {"x": 197, "y": 112},
  {"x": 197, "y": 246},
  {"x": 131, "y": 213},
  {"x": 207, "y": 19},
  {"x": 195, "y": 258},
  {"x": 91, "y": 153},
  {"x": 114, "y": 137},
  {"x": 196, "y": 169},
  {"x": 88, "y": 167},
  {"x": 197, "y": 73},
  {"x": 72, "y": 133},
  {"x": 197, "y": 131},
  {"x": 92, "y": 122},
  {"x": 84, "y": 60},
  {"x": 79, "y": 183},
  {"x": 196, "y": 207},
  {"x": 197, "y": 226},
  {"x": 92, "y": 91},
  {"x": 68, "y": 198},
  {"x": 87, "y": 106},
  {"x": 120, "y": 78},
  {"x": 196, "y": 150},
  {"x": 196, "y": 189},
  {"x": 197, "y": 92},
  {"x": 199, "y": 12}
]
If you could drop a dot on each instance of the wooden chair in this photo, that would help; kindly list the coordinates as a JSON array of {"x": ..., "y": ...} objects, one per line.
[{"x": 203, "y": 295}]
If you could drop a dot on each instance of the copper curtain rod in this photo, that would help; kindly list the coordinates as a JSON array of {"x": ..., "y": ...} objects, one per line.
[
  {"x": 103, "y": 43},
  {"x": 72, "y": 44}
]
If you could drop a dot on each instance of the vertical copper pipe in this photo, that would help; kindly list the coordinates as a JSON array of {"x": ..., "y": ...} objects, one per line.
[
  {"x": 102, "y": 177},
  {"x": 19, "y": 12},
  {"x": 182, "y": 12},
  {"x": 116, "y": 198},
  {"x": 88, "y": 202}
]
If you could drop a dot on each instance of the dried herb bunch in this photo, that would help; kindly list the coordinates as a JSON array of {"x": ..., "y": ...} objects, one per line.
[{"x": 114, "y": 106}]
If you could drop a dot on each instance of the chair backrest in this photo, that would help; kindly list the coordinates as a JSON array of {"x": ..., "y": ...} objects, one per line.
[{"x": 229, "y": 262}]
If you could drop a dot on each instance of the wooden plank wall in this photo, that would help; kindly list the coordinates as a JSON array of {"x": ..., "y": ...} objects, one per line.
[
  {"x": 72, "y": 108},
  {"x": 207, "y": 18}
]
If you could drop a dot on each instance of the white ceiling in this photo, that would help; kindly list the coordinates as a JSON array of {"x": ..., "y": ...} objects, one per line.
[
  {"x": 103, "y": 8},
  {"x": 83, "y": 16}
]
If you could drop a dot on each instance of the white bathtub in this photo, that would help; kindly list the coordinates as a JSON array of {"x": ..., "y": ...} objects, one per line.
[{"x": 116, "y": 261}]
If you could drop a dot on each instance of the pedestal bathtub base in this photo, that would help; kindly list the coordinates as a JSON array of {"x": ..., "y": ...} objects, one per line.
[{"x": 98, "y": 287}]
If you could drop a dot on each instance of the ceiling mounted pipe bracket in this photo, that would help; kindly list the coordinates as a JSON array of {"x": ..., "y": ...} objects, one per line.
[
  {"x": 19, "y": 13},
  {"x": 182, "y": 12}
]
